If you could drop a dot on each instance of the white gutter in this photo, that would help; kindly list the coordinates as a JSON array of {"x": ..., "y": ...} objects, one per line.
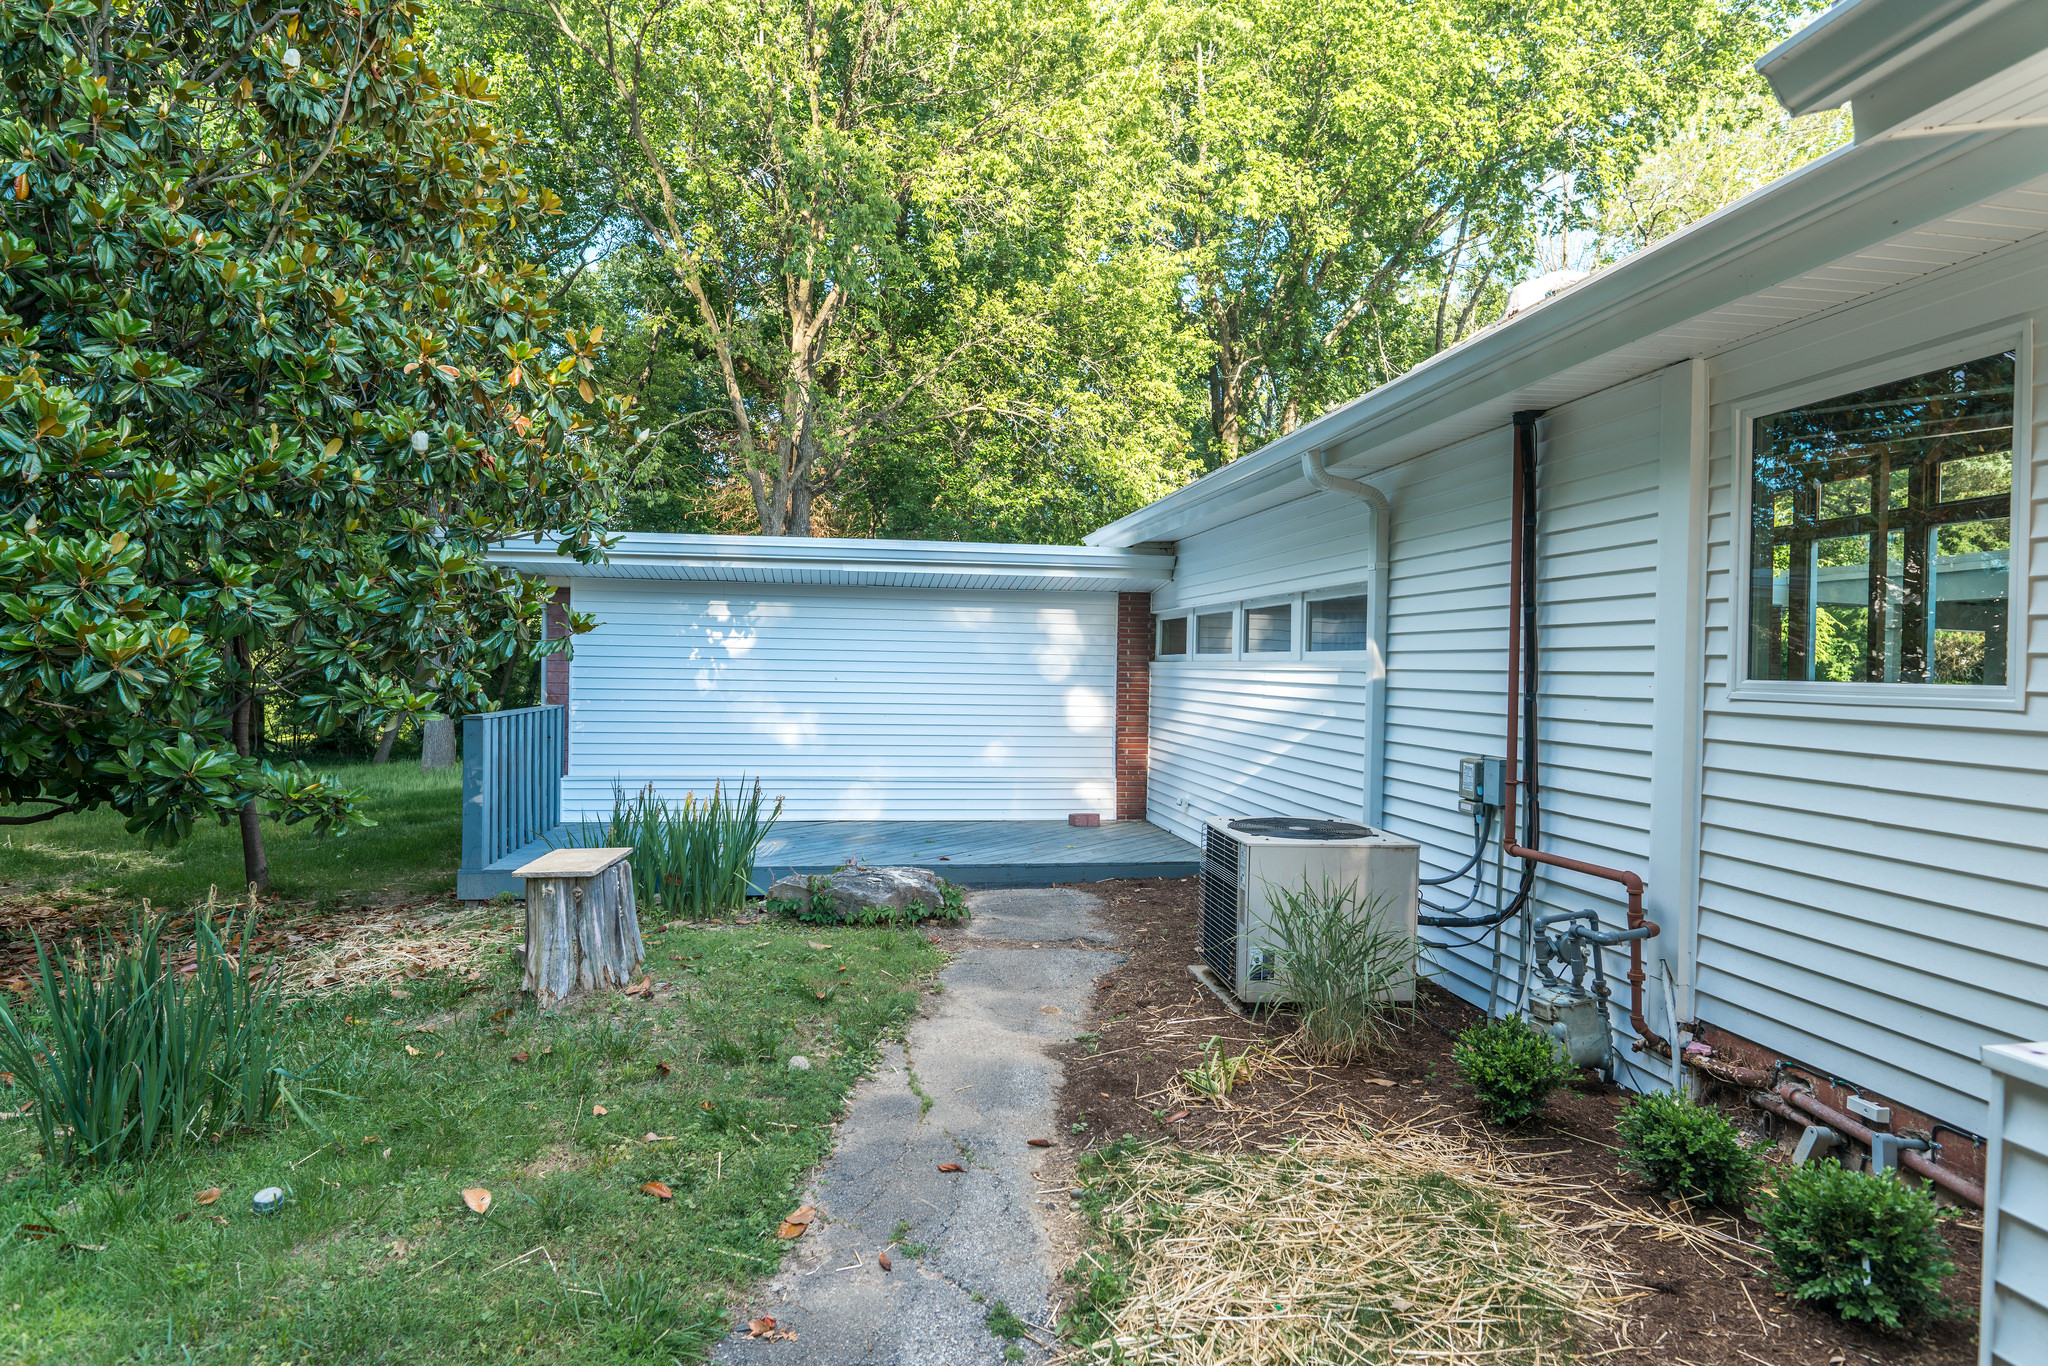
[
  {"x": 784, "y": 559},
  {"x": 1379, "y": 552},
  {"x": 1890, "y": 60}
]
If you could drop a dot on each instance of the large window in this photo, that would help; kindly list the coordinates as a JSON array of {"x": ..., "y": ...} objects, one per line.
[{"x": 1881, "y": 532}]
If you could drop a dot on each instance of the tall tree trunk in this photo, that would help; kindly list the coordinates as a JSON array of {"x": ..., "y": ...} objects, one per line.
[
  {"x": 255, "y": 862},
  {"x": 383, "y": 754}
]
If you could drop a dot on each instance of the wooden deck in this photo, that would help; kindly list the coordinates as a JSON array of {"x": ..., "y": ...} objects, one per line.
[{"x": 971, "y": 853}]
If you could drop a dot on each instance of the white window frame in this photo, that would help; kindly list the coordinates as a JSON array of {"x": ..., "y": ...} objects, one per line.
[
  {"x": 1349, "y": 590},
  {"x": 1159, "y": 632},
  {"x": 1292, "y": 602},
  {"x": 2017, "y": 337},
  {"x": 1196, "y": 654}
]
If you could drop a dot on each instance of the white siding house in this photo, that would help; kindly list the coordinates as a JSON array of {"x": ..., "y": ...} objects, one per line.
[
  {"x": 866, "y": 680},
  {"x": 1839, "y": 807},
  {"x": 1850, "y": 877}
]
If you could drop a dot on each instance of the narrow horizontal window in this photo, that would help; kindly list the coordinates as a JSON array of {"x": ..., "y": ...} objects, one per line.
[
  {"x": 1881, "y": 532},
  {"x": 1337, "y": 624},
  {"x": 1269, "y": 630},
  {"x": 1173, "y": 635},
  {"x": 1212, "y": 633}
]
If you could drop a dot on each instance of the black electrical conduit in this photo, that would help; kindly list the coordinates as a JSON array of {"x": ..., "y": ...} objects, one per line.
[{"x": 1525, "y": 453}]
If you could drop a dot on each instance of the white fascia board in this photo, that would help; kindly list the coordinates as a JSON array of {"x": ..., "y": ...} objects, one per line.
[
  {"x": 774, "y": 559},
  {"x": 1829, "y": 209},
  {"x": 1894, "y": 59}
]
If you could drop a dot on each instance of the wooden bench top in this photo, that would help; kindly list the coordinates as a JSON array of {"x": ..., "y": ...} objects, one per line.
[{"x": 572, "y": 863}]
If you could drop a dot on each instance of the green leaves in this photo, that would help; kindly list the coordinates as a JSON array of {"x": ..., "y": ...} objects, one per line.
[{"x": 225, "y": 306}]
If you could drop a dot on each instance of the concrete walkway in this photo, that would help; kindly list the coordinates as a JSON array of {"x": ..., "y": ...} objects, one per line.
[{"x": 959, "y": 1243}]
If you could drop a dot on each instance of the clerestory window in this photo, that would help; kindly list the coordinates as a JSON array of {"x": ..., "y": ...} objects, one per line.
[{"x": 1881, "y": 532}]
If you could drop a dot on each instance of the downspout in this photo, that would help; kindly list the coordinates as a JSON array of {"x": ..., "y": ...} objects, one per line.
[
  {"x": 1523, "y": 681},
  {"x": 1313, "y": 470}
]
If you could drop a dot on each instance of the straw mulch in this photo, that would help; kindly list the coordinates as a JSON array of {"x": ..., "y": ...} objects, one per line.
[
  {"x": 314, "y": 954},
  {"x": 1408, "y": 1245},
  {"x": 442, "y": 937}
]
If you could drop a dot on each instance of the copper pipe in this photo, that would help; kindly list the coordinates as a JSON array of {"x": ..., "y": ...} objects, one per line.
[
  {"x": 1522, "y": 659},
  {"x": 1962, "y": 1187}
]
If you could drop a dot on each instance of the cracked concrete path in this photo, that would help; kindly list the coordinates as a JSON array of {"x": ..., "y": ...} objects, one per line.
[{"x": 972, "y": 1086}]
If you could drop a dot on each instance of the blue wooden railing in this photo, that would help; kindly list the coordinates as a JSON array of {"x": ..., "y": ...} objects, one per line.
[{"x": 512, "y": 765}]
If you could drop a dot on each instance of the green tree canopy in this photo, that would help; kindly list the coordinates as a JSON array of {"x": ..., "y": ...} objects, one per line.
[
  {"x": 1333, "y": 164},
  {"x": 892, "y": 239},
  {"x": 270, "y": 384}
]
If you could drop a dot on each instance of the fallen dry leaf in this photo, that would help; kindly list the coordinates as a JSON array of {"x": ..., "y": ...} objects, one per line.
[
  {"x": 763, "y": 1327},
  {"x": 477, "y": 1198},
  {"x": 816, "y": 945},
  {"x": 221, "y": 1219},
  {"x": 1038, "y": 1143},
  {"x": 662, "y": 1069},
  {"x": 519, "y": 1057},
  {"x": 883, "y": 1258},
  {"x": 412, "y": 1051},
  {"x": 1176, "y": 1117},
  {"x": 951, "y": 1167},
  {"x": 38, "y": 1232},
  {"x": 704, "y": 1105},
  {"x": 653, "y": 1137},
  {"x": 400, "y": 993},
  {"x": 1382, "y": 1081},
  {"x": 643, "y": 987},
  {"x": 798, "y": 1221},
  {"x": 599, "y": 1110},
  {"x": 659, "y": 1190},
  {"x": 208, "y": 1196}
]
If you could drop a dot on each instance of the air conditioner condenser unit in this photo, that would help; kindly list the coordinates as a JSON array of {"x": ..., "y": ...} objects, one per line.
[{"x": 1245, "y": 863}]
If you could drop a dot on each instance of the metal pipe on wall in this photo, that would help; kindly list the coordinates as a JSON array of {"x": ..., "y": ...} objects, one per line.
[
  {"x": 1319, "y": 476},
  {"x": 1523, "y": 680}
]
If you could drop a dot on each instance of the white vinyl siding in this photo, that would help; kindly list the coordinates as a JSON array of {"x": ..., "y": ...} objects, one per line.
[
  {"x": 849, "y": 703},
  {"x": 1597, "y": 547},
  {"x": 1871, "y": 877},
  {"x": 1260, "y": 736}
]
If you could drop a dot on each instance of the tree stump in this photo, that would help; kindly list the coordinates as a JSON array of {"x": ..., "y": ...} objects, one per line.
[
  {"x": 437, "y": 743},
  {"x": 582, "y": 929}
]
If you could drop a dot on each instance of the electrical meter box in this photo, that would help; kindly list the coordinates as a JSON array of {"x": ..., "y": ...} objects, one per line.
[{"x": 1481, "y": 782}]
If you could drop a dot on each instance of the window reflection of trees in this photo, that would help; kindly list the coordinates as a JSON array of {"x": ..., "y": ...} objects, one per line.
[{"x": 1881, "y": 532}]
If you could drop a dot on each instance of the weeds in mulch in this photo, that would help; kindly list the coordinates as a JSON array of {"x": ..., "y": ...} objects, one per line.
[{"x": 1343, "y": 1246}]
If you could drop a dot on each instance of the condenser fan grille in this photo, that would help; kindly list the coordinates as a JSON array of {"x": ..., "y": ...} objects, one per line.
[
  {"x": 1219, "y": 904},
  {"x": 1297, "y": 828}
]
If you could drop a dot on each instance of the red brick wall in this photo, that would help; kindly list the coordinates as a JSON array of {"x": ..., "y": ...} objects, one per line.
[
  {"x": 555, "y": 677},
  {"x": 1134, "y": 630}
]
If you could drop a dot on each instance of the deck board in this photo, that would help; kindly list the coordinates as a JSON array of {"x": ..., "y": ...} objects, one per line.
[{"x": 971, "y": 853}]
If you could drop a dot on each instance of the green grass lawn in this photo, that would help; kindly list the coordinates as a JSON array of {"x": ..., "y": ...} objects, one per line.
[
  {"x": 442, "y": 1085},
  {"x": 412, "y": 850},
  {"x": 375, "y": 1258}
]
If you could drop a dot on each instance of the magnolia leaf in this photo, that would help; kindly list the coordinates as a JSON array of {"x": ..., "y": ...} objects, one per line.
[
  {"x": 478, "y": 1199},
  {"x": 209, "y": 1195}
]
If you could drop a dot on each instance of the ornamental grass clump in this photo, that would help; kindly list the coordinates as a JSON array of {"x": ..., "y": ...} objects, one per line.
[
  {"x": 1685, "y": 1151},
  {"x": 694, "y": 857},
  {"x": 1512, "y": 1067},
  {"x": 1340, "y": 960},
  {"x": 1864, "y": 1244},
  {"x": 122, "y": 1053}
]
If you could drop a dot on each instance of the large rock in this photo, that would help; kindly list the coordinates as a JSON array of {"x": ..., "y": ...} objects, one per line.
[{"x": 858, "y": 889}]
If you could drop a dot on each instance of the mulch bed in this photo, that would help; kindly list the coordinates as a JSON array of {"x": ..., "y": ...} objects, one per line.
[{"x": 1705, "y": 1298}]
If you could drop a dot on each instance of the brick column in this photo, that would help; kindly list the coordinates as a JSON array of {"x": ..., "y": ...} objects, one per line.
[
  {"x": 1134, "y": 629},
  {"x": 555, "y": 673}
]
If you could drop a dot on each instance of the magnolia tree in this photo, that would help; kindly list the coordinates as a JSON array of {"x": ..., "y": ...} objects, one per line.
[{"x": 271, "y": 383}]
